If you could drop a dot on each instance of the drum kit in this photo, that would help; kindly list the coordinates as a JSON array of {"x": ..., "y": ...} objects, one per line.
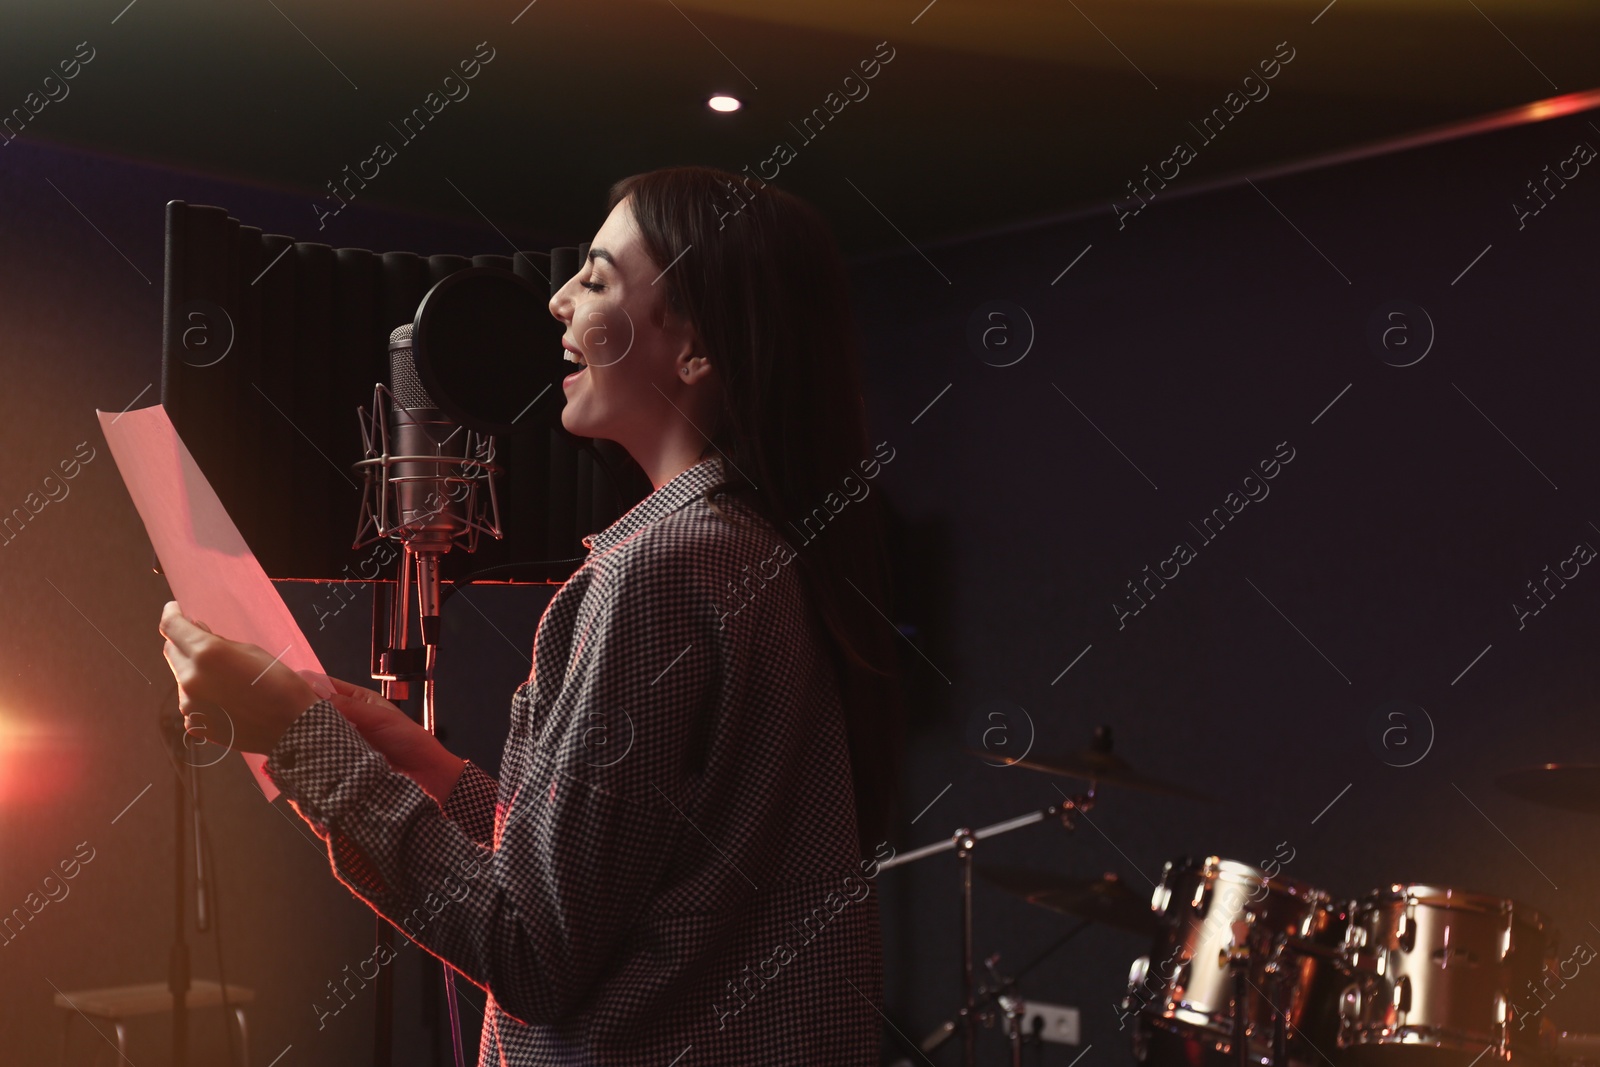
[{"x": 1406, "y": 975}]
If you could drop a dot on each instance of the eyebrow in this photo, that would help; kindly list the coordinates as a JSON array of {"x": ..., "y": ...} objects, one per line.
[{"x": 600, "y": 253}]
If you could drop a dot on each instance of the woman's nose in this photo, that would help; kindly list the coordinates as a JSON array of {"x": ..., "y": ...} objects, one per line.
[{"x": 561, "y": 303}]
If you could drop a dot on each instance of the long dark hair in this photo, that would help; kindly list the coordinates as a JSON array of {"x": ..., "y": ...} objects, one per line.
[{"x": 758, "y": 273}]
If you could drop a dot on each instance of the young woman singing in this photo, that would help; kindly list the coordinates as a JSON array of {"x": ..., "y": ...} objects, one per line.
[{"x": 676, "y": 865}]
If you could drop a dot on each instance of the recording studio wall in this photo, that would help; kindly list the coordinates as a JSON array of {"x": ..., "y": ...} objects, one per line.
[{"x": 1349, "y": 651}]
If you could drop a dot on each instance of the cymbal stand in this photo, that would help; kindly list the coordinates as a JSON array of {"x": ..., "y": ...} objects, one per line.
[
  {"x": 970, "y": 1010},
  {"x": 1012, "y": 1007},
  {"x": 1001, "y": 992},
  {"x": 975, "y": 1007}
]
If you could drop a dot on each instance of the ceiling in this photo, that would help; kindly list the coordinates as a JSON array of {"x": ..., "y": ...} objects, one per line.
[{"x": 989, "y": 113}]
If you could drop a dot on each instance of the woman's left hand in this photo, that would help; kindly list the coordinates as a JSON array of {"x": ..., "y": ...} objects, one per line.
[{"x": 260, "y": 695}]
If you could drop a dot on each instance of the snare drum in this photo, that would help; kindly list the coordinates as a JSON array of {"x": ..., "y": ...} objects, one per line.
[
  {"x": 1181, "y": 996},
  {"x": 1436, "y": 968}
]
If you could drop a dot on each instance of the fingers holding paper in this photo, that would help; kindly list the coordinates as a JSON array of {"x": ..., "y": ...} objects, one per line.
[
  {"x": 400, "y": 739},
  {"x": 260, "y": 695}
]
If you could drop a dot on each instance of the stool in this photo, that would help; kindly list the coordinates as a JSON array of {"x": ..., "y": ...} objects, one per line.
[{"x": 120, "y": 1003}]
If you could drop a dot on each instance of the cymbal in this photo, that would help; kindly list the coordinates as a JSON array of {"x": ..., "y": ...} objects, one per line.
[
  {"x": 1104, "y": 900},
  {"x": 1100, "y": 765},
  {"x": 1572, "y": 786}
]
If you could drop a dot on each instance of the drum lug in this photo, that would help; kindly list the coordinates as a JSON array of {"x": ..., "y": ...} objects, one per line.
[{"x": 1350, "y": 1010}]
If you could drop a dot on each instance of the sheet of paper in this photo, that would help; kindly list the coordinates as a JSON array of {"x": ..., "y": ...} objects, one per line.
[{"x": 213, "y": 574}]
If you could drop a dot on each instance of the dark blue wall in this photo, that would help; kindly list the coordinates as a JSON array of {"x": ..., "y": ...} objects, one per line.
[{"x": 1169, "y": 361}]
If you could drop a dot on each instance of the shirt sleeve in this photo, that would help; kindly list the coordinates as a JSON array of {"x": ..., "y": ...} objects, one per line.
[
  {"x": 538, "y": 918},
  {"x": 470, "y": 804}
]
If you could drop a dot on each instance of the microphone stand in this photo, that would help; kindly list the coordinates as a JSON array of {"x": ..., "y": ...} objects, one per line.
[
  {"x": 395, "y": 691},
  {"x": 427, "y": 567},
  {"x": 178, "y": 958},
  {"x": 396, "y": 664},
  {"x": 425, "y": 537},
  {"x": 186, "y": 772}
]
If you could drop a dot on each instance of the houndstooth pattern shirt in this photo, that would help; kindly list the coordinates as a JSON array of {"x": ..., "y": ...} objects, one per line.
[{"x": 666, "y": 872}]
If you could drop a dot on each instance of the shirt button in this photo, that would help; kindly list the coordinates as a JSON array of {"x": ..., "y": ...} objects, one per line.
[{"x": 286, "y": 761}]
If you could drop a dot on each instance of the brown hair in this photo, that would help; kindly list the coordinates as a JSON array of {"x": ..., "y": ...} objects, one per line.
[{"x": 758, "y": 273}]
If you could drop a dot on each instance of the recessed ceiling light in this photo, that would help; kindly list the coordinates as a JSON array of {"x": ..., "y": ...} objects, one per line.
[{"x": 723, "y": 102}]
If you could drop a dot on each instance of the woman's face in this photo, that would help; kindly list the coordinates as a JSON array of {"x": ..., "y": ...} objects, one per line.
[{"x": 613, "y": 312}]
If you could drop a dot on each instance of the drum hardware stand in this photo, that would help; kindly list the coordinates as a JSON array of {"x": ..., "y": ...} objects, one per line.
[
  {"x": 1280, "y": 1012},
  {"x": 1236, "y": 958},
  {"x": 1013, "y": 1008},
  {"x": 970, "y": 1013},
  {"x": 975, "y": 1007}
]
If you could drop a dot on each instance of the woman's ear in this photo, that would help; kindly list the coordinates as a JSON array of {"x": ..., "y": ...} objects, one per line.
[{"x": 692, "y": 370}]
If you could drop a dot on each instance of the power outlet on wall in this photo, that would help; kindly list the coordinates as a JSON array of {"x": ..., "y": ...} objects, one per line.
[{"x": 1061, "y": 1025}]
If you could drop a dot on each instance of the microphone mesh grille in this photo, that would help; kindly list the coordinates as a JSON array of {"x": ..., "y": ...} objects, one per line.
[{"x": 403, "y": 381}]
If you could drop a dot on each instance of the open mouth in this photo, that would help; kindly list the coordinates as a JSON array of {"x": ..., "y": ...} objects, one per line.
[{"x": 574, "y": 376}]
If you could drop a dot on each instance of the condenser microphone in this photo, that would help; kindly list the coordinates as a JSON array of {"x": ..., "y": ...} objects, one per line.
[
  {"x": 423, "y": 472},
  {"x": 429, "y": 501}
]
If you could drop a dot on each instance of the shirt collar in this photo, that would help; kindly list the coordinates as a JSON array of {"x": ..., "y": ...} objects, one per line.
[{"x": 674, "y": 494}]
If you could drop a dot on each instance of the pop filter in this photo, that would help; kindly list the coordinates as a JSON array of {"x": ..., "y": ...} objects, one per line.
[{"x": 488, "y": 351}]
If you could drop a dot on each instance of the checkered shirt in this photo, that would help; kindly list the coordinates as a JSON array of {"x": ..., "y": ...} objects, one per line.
[{"x": 666, "y": 872}]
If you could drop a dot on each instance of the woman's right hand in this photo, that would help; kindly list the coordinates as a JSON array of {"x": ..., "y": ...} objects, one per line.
[{"x": 401, "y": 740}]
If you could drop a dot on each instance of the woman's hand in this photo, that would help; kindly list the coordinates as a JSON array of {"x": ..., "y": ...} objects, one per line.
[
  {"x": 410, "y": 749},
  {"x": 259, "y": 694}
]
